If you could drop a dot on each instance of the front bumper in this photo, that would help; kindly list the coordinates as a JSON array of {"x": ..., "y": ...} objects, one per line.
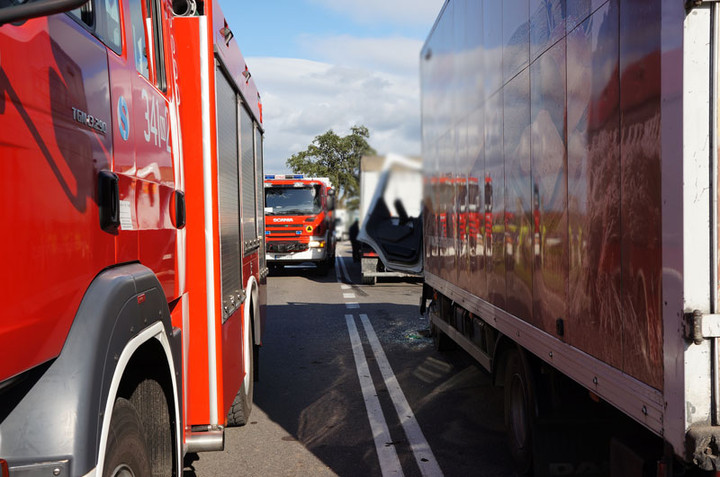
[{"x": 309, "y": 255}]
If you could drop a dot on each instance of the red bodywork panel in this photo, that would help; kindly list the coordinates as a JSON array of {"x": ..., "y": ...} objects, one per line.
[
  {"x": 51, "y": 158},
  {"x": 228, "y": 351},
  {"x": 188, "y": 64}
]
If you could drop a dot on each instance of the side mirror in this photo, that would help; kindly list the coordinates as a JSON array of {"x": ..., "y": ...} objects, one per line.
[
  {"x": 39, "y": 8},
  {"x": 331, "y": 199}
]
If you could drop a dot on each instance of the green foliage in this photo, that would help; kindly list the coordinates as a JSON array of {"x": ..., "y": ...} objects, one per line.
[{"x": 337, "y": 158}]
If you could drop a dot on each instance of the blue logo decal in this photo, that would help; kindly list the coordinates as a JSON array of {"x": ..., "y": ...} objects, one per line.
[{"x": 123, "y": 118}]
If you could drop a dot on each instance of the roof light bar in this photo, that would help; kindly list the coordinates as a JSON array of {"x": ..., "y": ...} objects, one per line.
[{"x": 269, "y": 177}]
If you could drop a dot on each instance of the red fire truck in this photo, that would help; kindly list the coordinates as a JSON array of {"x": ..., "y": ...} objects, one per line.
[
  {"x": 133, "y": 308},
  {"x": 299, "y": 218}
]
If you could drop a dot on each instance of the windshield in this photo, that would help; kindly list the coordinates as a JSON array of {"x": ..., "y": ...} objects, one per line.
[{"x": 292, "y": 200}]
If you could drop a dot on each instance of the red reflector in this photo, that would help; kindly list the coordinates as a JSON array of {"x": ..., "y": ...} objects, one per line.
[
  {"x": 4, "y": 471},
  {"x": 141, "y": 299}
]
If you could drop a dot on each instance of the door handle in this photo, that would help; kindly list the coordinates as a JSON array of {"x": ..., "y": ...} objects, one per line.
[{"x": 109, "y": 201}]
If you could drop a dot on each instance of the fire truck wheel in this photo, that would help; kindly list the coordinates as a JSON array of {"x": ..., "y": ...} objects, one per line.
[
  {"x": 242, "y": 405},
  {"x": 127, "y": 452},
  {"x": 519, "y": 398},
  {"x": 368, "y": 280}
]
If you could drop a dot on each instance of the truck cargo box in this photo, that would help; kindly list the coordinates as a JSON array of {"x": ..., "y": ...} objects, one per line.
[{"x": 570, "y": 202}]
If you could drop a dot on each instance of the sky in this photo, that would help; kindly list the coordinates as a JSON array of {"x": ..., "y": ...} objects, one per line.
[{"x": 334, "y": 64}]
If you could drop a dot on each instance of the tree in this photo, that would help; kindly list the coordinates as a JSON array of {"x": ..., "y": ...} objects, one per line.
[{"x": 337, "y": 158}]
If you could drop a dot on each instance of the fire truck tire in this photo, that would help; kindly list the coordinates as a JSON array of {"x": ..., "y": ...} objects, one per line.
[
  {"x": 127, "y": 451},
  {"x": 368, "y": 280},
  {"x": 242, "y": 404},
  {"x": 519, "y": 398}
]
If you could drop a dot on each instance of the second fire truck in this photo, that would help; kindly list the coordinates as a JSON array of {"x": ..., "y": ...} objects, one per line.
[{"x": 299, "y": 215}]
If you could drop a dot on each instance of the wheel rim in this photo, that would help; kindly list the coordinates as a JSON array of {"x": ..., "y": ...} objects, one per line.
[
  {"x": 123, "y": 470},
  {"x": 518, "y": 415}
]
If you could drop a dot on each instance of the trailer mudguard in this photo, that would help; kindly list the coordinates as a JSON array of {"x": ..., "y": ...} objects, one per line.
[{"x": 56, "y": 419}]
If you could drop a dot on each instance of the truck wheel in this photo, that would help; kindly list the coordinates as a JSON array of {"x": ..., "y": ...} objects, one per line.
[
  {"x": 127, "y": 452},
  {"x": 242, "y": 404},
  {"x": 519, "y": 415},
  {"x": 368, "y": 280}
]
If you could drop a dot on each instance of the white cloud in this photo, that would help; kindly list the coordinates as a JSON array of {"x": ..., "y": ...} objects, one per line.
[
  {"x": 406, "y": 12},
  {"x": 370, "y": 82},
  {"x": 397, "y": 55}
]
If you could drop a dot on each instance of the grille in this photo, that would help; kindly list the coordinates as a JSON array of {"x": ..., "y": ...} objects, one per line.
[{"x": 284, "y": 247}]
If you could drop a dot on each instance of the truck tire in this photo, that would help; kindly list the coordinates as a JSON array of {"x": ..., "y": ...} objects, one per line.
[
  {"x": 519, "y": 415},
  {"x": 127, "y": 451},
  {"x": 242, "y": 404},
  {"x": 365, "y": 280}
]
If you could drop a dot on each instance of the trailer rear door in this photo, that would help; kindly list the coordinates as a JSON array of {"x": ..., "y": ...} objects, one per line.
[{"x": 393, "y": 224}]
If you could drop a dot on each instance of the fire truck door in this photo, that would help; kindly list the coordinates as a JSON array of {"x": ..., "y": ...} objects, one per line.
[
  {"x": 146, "y": 168},
  {"x": 54, "y": 122}
]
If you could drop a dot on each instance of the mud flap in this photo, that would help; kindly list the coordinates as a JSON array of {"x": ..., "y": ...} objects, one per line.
[{"x": 571, "y": 446}]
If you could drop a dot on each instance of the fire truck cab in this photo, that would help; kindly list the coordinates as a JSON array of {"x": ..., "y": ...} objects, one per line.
[{"x": 299, "y": 221}]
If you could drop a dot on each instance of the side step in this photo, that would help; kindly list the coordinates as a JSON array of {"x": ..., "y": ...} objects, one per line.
[{"x": 205, "y": 440}]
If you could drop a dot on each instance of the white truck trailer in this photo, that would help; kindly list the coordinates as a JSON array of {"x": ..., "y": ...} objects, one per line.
[{"x": 571, "y": 215}]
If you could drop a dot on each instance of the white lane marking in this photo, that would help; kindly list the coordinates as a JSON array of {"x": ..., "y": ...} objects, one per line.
[
  {"x": 352, "y": 306},
  {"x": 387, "y": 455},
  {"x": 348, "y": 295},
  {"x": 345, "y": 272},
  {"x": 337, "y": 269},
  {"x": 423, "y": 454},
  {"x": 340, "y": 271}
]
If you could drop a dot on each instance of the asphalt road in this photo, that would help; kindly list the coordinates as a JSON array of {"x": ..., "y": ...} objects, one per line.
[{"x": 386, "y": 406}]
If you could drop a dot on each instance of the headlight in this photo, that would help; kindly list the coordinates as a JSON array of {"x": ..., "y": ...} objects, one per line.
[{"x": 317, "y": 243}]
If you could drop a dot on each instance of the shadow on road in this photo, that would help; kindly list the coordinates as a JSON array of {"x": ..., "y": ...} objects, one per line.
[{"x": 310, "y": 393}]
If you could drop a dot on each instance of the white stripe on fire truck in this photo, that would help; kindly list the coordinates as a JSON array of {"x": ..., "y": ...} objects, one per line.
[{"x": 208, "y": 182}]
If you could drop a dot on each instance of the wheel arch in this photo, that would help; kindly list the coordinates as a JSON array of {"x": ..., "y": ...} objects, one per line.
[
  {"x": 252, "y": 309},
  {"x": 503, "y": 346},
  {"x": 148, "y": 356},
  {"x": 531, "y": 364},
  {"x": 65, "y": 413}
]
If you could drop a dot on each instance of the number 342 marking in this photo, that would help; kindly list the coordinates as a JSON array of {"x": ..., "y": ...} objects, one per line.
[{"x": 155, "y": 123}]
